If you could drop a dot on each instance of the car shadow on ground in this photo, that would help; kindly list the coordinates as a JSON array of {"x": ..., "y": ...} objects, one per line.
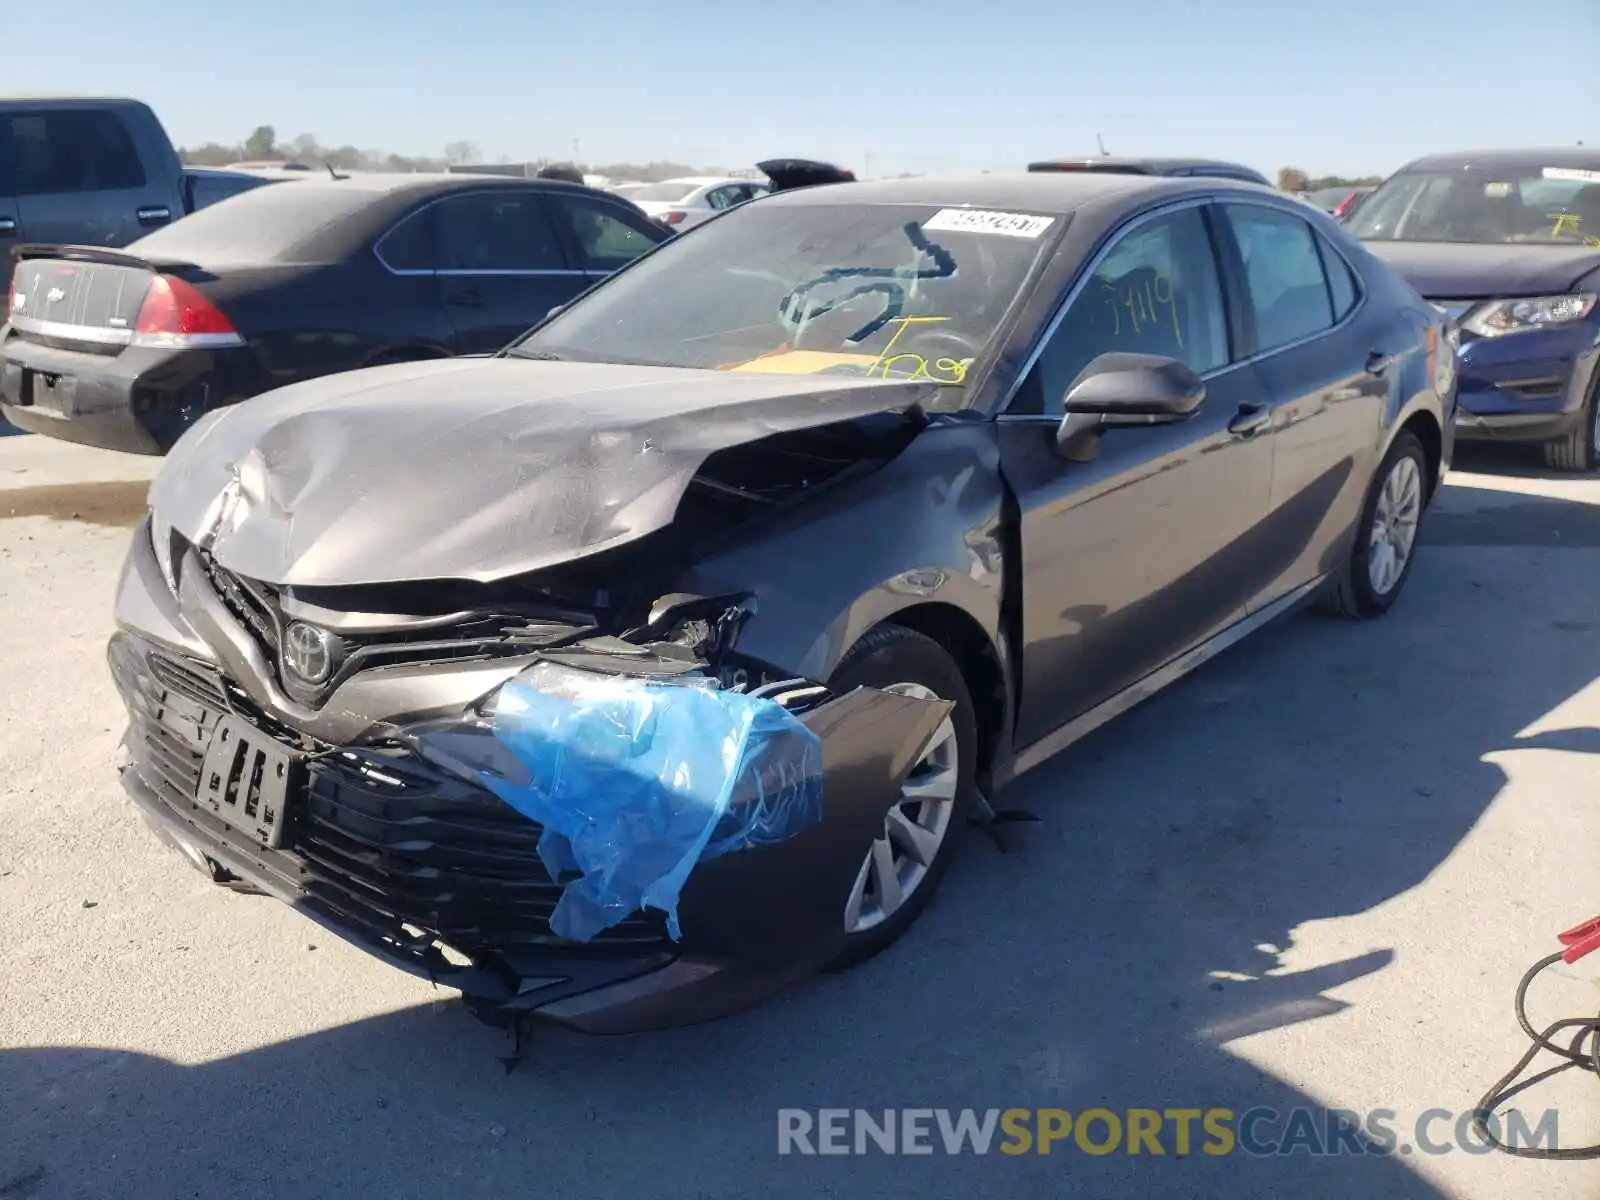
[{"x": 1108, "y": 959}]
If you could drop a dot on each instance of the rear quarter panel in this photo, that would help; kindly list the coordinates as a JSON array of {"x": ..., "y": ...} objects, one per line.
[{"x": 305, "y": 321}]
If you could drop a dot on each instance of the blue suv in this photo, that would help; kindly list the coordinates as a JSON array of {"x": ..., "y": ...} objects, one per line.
[{"x": 1507, "y": 242}]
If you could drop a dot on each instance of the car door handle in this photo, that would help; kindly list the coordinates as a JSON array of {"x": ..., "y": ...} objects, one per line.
[
  {"x": 8, "y": 226},
  {"x": 154, "y": 215},
  {"x": 1377, "y": 363},
  {"x": 466, "y": 298},
  {"x": 1249, "y": 420}
]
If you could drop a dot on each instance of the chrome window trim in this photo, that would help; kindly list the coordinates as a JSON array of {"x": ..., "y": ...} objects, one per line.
[{"x": 1086, "y": 273}]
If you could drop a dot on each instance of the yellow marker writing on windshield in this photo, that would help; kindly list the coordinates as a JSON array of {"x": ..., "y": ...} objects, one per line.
[
  {"x": 954, "y": 370},
  {"x": 1562, "y": 221}
]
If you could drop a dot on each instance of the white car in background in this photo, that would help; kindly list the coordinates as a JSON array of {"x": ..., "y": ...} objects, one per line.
[{"x": 683, "y": 203}]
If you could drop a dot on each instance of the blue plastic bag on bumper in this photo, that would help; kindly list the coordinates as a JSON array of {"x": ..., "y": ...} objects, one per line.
[{"x": 636, "y": 781}]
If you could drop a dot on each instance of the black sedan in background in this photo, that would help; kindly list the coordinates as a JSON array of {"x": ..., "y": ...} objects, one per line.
[
  {"x": 127, "y": 348},
  {"x": 621, "y": 677}
]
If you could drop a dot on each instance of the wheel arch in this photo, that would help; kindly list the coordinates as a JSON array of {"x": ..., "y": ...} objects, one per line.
[
  {"x": 978, "y": 659},
  {"x": 1426, "y": 427}
]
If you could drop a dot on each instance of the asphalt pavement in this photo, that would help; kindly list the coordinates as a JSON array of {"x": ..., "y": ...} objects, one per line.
[{"x": 1308, "y": 876}]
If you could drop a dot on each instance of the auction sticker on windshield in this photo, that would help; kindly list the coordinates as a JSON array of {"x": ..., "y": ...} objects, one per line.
[
  {"x": 1576, "y": 174},
  {"x": 977, "y": 220}
]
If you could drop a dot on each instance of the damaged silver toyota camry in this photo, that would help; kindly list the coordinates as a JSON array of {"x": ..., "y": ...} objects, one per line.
[{"x": 663, "y": 658}]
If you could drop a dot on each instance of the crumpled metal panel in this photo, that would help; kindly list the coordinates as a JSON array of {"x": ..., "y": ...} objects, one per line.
[{"x": 472, "y": 469}]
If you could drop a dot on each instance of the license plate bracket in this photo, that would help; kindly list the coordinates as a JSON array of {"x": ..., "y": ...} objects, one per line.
[
  {"x": 54, "y": 393},
  {"x": 247, "y": 781}
]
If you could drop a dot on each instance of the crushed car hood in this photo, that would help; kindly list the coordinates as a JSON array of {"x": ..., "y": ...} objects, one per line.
[
  {"x": 1463, "y": 271},
  {"x": 475, "y": 470}
]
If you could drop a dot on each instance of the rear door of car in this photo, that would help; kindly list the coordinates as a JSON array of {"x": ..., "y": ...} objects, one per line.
[
  {"x": 602, "y": 234},
  {"x": 78, "y": 177},
  {"x": 1322, "y": 364},
  {"x": 502, "y": 266}
]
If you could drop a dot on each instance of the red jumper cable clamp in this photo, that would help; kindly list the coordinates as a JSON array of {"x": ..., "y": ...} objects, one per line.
[{"x": 1580, "y": 940}]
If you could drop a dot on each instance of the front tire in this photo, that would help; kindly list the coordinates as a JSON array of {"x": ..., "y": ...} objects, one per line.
[
  {"x": 1579, "y": 451},
  {"x": 1386, "y": 536},
  {"x": 909, "y": 858}
]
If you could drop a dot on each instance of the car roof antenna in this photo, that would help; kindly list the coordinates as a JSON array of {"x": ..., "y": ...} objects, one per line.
[
  {"x": 1101, "y": 142},
  {"x": 331, "y": 172}
]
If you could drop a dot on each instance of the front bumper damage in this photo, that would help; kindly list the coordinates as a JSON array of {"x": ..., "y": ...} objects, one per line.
[{"x": 684, "y": 894}]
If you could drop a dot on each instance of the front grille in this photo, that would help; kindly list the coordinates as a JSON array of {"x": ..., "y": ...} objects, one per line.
[
  {"x": 194, "y": 680},
  {"x": 482, "y": 635},
  {"x": 392, "y": 834},
  {"x": 381, "y": 841}
]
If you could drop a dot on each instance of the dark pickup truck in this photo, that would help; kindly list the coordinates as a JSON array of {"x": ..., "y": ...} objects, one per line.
[{"x": 97, "y": 172}]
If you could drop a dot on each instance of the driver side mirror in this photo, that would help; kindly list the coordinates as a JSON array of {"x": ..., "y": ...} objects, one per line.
[{"x": 1120, "y": 390}]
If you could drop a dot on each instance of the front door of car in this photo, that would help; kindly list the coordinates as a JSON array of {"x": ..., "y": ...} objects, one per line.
[
  {"x": 503, "y": 266},
  {"x": 1134, "y": 554},
  {"x": 1324, "y": 375}
]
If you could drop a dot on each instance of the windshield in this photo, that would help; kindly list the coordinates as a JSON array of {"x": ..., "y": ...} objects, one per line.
[
  {"x": 1556, "y": 206},
  {"x": 663, "y": 191},
  {"x": 871, "y": 291}
]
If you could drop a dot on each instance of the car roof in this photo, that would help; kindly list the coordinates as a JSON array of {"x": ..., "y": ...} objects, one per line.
[
  {"x": 1137, "y": 162},
  {"x": 1042, "y": 193},
  {"x": 705, "y": 180},
  {"x": 1579, "y": 157},
  {"x": 426, "y": 183},
  {"x": 63, "y": 101}
]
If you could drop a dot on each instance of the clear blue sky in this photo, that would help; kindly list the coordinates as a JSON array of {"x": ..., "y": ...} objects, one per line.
[{"x": 1329, "y": 85}]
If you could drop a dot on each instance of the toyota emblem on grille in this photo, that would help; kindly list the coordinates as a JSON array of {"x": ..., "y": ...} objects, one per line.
[{"x": 307, "y": 652}]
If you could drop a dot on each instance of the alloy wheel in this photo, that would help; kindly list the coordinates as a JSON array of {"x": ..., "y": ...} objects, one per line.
[
  {"x": 914, "y": 829},
  {"x": 1394, "y": 525}
]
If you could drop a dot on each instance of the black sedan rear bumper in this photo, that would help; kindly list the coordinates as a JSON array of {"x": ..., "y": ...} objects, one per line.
[
  {"x": 140, "y": 400},
  {"x": 438, "y": 876}
]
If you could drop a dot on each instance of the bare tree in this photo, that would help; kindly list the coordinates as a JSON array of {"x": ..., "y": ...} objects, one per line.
[{"x": 461, "y": 153}]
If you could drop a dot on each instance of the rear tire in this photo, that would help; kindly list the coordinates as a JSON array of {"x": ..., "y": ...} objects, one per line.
[
  {"x": 1385, "y": 546},
  {"x": 1579, "y": 451},
  {"x": 891, "y": 657}
]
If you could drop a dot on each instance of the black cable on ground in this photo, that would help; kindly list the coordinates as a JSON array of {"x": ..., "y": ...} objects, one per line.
[{"x": 1574, "y": 1054}]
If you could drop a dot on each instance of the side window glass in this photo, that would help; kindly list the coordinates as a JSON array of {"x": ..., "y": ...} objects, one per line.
[
  {"x": 410, "y": 245},
  {"x": 607, "y": 235},
  {"x": 206, "y": 190},
  {"x": 63, "y": 151},
  {"x": 1341, "y": 281},
  {"x": 720, "y": 198},
  {"x": 497, "y": 231},
  {"x": 1288, "y": 290},
  {"x": 1156, "y": 292}
]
